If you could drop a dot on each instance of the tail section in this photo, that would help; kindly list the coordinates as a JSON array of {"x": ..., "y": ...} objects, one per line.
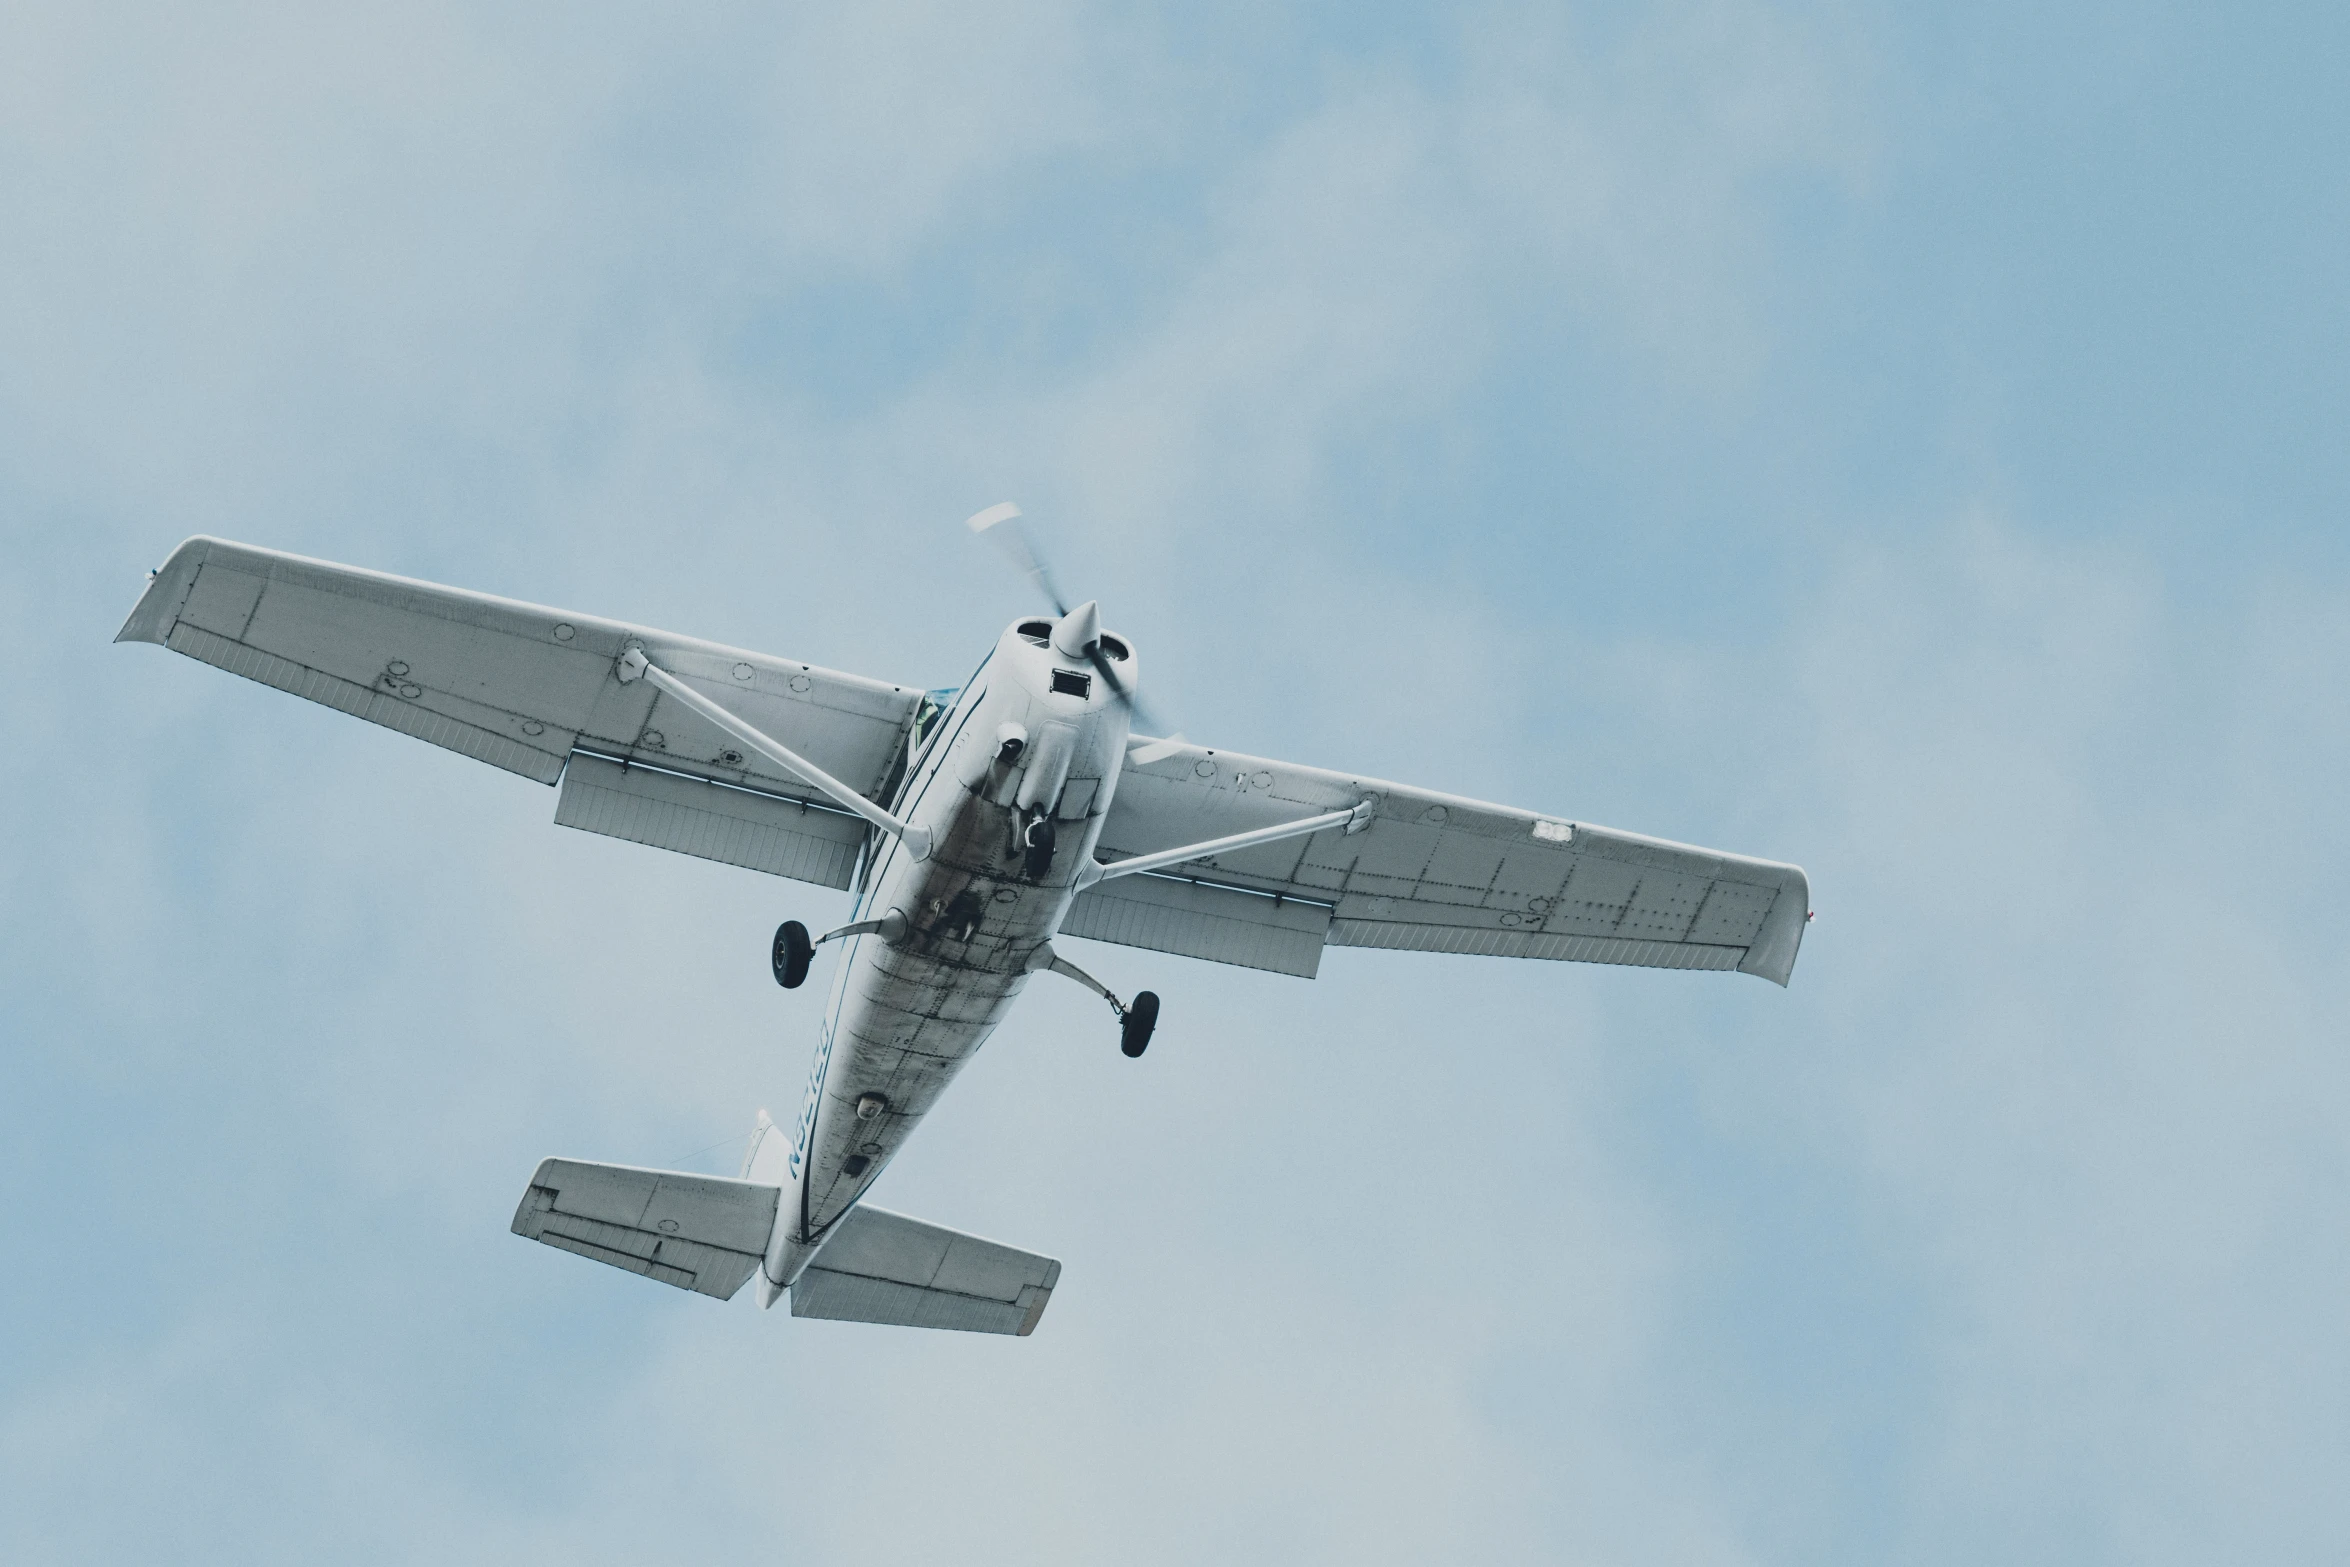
[
  {"x": 709, "y": 1234},
  {"x": 883, "y": 1267},
  {"x": 699, "y": 1232},
  {"x": 768, "y": 1159}
]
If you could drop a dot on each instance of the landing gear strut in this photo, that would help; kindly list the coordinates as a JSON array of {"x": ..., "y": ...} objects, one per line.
[{"x": 794, "y": 951}]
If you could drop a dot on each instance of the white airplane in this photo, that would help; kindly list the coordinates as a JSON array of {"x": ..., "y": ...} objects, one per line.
[{"x": 977, "y": 827}]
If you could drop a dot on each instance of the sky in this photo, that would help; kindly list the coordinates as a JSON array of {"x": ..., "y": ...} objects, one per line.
[{"x": 1904, "y": 440}]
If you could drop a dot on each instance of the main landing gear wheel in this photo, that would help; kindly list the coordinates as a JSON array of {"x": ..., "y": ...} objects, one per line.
[
  {"x": 1134, "y": 1029},
  {"x": 793, "y": 953}
]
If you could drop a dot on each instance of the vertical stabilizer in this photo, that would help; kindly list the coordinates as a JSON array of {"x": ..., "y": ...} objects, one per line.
[{"x": 768, "y": 1162}]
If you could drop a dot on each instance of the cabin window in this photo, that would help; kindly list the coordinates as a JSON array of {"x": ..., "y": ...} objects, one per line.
[
  {"x": 935, "y": 706},
  {"x": 1068, "y": 682}
]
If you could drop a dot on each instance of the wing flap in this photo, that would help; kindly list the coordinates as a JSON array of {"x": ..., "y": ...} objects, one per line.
[
  {"x": 1200, "y": 920},
  {"x": 750, "y": 828},
  {"x": 696, "y": 1232},
  {"x": 886, "y": 1268}
]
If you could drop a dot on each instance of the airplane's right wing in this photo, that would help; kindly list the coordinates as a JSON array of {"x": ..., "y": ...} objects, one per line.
[
  {"x": 530, "y": 689},
  {"x": 1429, "y": 872}
]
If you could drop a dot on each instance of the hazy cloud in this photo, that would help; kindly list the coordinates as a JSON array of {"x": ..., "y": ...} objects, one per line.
[{"x": 1523, "y": 404}]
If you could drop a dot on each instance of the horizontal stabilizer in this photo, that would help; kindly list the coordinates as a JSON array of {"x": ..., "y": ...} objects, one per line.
[
  {"x": 698, "y": 1232},
  {"x": 884, "y": 1267}
]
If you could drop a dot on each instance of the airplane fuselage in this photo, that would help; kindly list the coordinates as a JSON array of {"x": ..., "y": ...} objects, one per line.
[{"x": 1036, "y": 737}]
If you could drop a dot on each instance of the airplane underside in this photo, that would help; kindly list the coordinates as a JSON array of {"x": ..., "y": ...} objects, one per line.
[{"x": 976, "y": 827}]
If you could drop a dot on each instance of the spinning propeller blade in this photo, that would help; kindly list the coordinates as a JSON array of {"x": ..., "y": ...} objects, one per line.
[{"x": 1000, "y": 524}]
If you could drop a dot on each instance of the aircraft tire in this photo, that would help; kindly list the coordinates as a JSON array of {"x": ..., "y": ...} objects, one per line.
[
  {"x": 793, "y": 953},
  {"x": 1134, "y": 1032}
]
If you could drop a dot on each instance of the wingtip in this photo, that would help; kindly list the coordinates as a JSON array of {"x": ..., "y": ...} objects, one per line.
[
  {"x": 1780, "y": 941},
  {"x": 148, "y": 621}
]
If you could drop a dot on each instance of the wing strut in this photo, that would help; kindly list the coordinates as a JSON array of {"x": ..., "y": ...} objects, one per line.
[
  {"x": 634, "y": 664},
  {"x": 1354, "y": 819}
]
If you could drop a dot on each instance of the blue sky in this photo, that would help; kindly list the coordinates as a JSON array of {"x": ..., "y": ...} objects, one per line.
[{"x": 1905, "y": 440}]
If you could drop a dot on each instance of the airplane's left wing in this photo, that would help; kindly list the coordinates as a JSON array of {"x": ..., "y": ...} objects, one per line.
[
  {"x": 524, "y": 687},
  {"x": 1430, "y": 872}
]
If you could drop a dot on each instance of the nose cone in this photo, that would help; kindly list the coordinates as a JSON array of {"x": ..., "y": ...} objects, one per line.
[{"x": 1079, "y": 630}]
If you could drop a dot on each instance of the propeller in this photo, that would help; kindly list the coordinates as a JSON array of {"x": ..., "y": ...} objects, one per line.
[{"x": 1000, "y": 525}]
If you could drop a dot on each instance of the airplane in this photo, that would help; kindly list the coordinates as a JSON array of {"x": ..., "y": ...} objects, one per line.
[{"x": 977, "y": 827}]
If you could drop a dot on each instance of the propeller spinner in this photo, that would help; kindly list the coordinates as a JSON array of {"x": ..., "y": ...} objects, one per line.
[{"x": 1079, "y": 631}]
